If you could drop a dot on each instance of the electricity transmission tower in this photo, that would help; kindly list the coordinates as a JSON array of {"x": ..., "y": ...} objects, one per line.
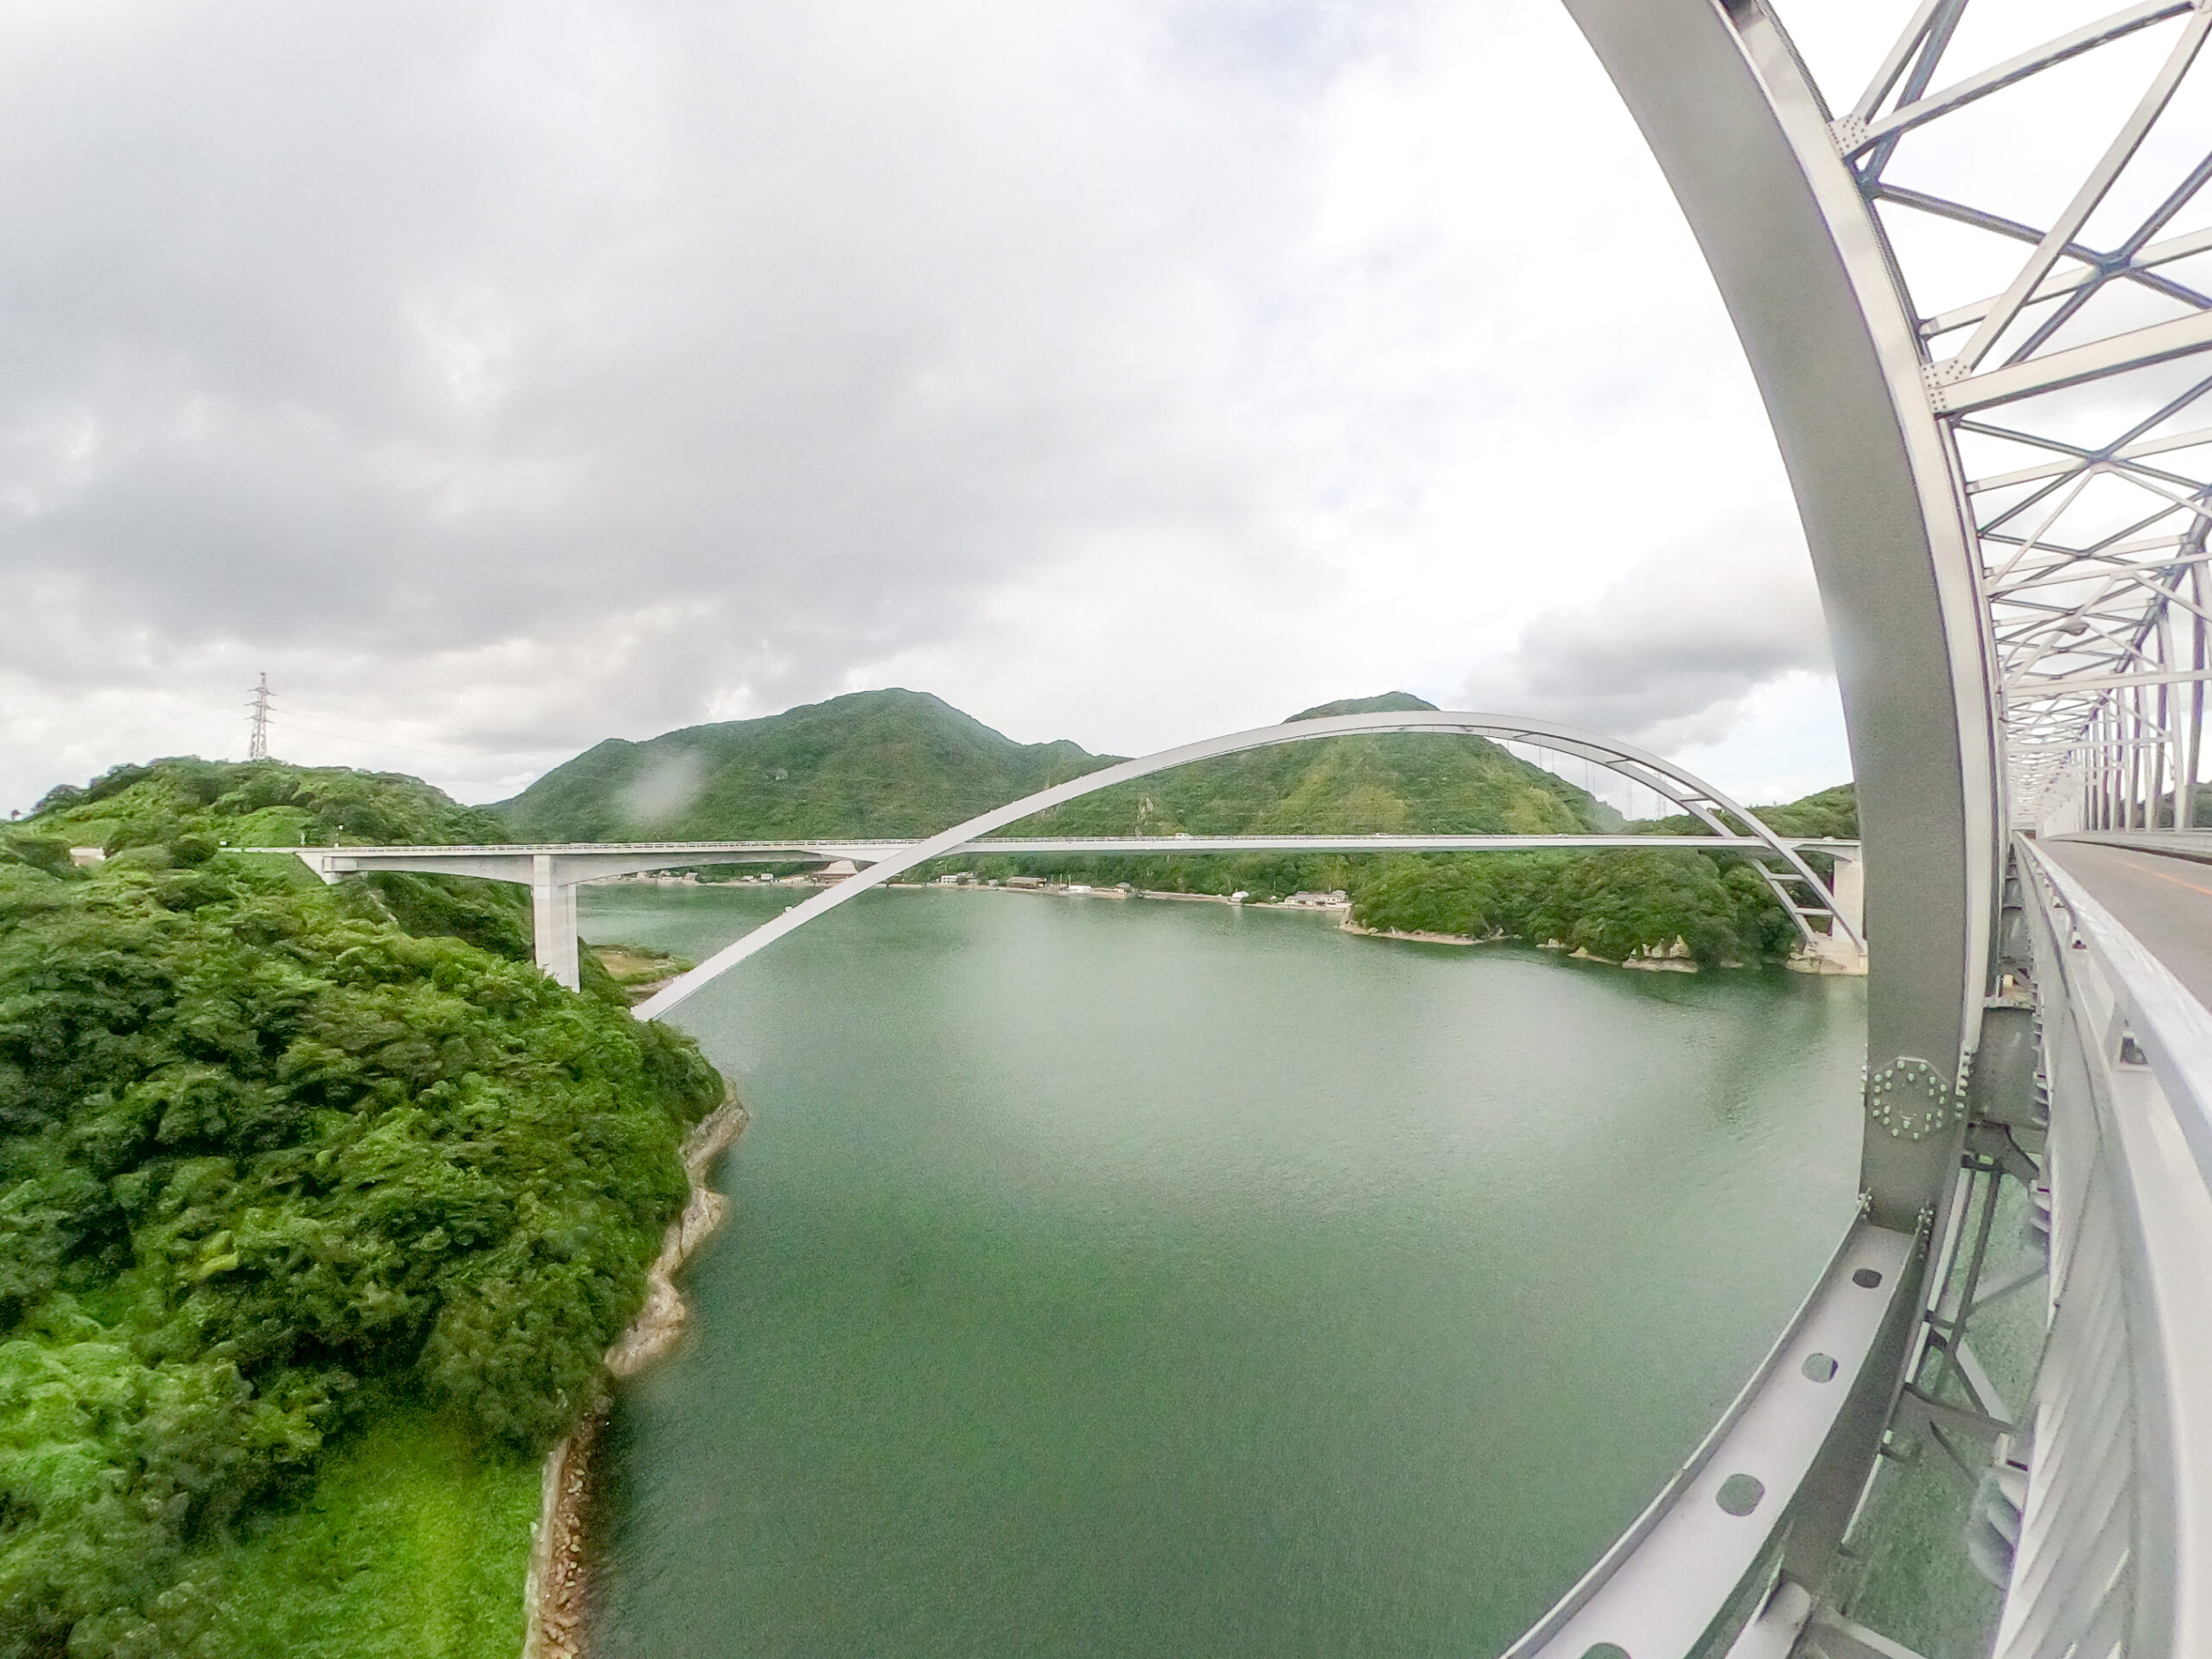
[{"x": 257, "y": 747}]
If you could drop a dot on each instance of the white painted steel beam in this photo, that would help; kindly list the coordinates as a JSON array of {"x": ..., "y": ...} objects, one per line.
[
  {"x": 585, "y": 860},
  {"x": 554, "y": 871},
  {"x": 2071, "y": 44},
  {"x": 2159, "y": 343},
  {"x": 1744, "y": 138},
  {"x": 1116, "y": 846},
  {"x": 1658, "y": 1590},
  {"x": 1692, "y": 794}
]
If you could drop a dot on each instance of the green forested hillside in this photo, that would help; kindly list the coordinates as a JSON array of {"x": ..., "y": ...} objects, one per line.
[
  {"x": 1831, "y": 812},
  {"x": 1403, "y": 783},
  {"x": 1399, "y": 783},
  {"x": 1613, "y": 904},
  {"x": 287, "y": 1169},
  {"x": 875, "y": 763},
  {"x": 900, "y": 763},
  {"x": 896, "y": 763}
]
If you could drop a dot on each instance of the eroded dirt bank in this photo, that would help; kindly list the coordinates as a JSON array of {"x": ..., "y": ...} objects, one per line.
[{"x": 554, "y": 1594}]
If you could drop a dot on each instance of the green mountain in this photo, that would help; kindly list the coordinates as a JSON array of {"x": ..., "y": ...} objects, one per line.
[
  {"x": 902, "y": 763},
  {"x": 1402, "y": 783},
  {"x": 874, "y": 763}
]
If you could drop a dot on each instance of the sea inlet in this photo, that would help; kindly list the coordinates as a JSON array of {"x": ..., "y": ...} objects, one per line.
[{"x": 1111, "y": 1278}]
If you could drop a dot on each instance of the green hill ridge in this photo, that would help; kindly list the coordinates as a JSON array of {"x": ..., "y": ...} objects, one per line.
[
  {"x": 896, "y": 763},
  {"x": 891, "y": 763}
]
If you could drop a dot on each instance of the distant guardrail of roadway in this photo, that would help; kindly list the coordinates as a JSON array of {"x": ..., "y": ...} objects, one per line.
[
  {"x": 2174, "y": 843},
  {"x": 711, "y": 852}
]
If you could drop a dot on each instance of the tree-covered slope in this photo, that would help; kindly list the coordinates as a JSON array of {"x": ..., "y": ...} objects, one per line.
[
  {"x": 895, "y": 763},
  {"x": 194, "y": 807},
  {"x": 276, "y": 1160},
  {"x": 255, "y": 802},
  {"x": 1612, "y": 904},
  {"x": 1829, "y": 812},
  {"x": 900, "y": 763},
  {"x": 1402, "y": 783},
  {"x": 875, "y": 763}
]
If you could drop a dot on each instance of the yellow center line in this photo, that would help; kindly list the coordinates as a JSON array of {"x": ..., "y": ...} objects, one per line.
[{"x": 2146, "y": 870}]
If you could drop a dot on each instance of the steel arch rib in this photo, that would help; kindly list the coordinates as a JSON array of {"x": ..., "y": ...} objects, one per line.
[
  {"x": 1745, "y": 141},
  {"x": 1693, "y": 794}
]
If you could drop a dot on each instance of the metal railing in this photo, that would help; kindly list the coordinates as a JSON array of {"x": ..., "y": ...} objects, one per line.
[{"x": 2114, "y": 1546}]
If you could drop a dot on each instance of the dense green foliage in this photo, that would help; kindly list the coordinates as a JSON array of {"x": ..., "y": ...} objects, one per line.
[
  {"x": 1831, "y": 812},
  {"x": 273, "y": 1156},
  {"x": 414, "y": 1546},
  {"x": 1402, "y": 783},
  {"x": 1614, "y": 905},
  {"x": 875, "y": 763},
  {"x": 249, "y": 803},
  {"x": 897, "y": 763}
]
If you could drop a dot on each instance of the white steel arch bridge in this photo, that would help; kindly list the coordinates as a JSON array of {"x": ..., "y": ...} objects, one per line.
[
  {"x": 553, "y": 872},
  {"x": 1801, "y": 892},
  {"x": 1963, "y": 245}
]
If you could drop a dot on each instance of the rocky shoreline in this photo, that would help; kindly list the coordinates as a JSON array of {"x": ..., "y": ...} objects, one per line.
[
  {"x": 1350, "y": 926},
  {"x": 554, "y": 1592}
]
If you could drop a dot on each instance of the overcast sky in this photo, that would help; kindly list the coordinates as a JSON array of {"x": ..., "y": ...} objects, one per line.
[{"x": 503, "y": 376}]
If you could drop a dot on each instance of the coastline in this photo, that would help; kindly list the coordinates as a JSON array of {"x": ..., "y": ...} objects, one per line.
[
  {"x": 1350, "y": 926},
  {"x": 1055, "y": 890},
  {"x": 555, "y": 1588}
]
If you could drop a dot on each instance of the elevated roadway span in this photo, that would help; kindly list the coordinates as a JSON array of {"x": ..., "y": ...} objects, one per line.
[{"x": 2158, "y": 884}]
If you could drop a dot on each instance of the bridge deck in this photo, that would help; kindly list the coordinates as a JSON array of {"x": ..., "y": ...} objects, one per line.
[{"x": 2165, "y": 901}]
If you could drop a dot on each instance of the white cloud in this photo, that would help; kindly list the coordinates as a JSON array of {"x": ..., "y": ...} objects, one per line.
[
  {"x": 501, "y": 380},
  {"x": 1671, "y": 653}
]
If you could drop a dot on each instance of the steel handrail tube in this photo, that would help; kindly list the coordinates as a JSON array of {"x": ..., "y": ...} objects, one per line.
[{"x": 2130, "y": 1168}]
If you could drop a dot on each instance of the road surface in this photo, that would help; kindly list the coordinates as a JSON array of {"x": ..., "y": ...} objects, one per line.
[{"x": 2164, "y": 902}]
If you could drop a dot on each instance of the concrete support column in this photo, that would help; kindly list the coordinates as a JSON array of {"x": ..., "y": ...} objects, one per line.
[
  {"x": 553, "y": 918},
  {"x": 1837, "y": 953},
  {"x": 1849, "y": 893}
]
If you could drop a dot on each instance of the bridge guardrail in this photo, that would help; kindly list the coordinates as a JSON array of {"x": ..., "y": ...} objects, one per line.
[
  {"x": 1703, "y": 1561},
  {"x": 2114, "y": 1554},
  {"x": 2171, "y": 843}
]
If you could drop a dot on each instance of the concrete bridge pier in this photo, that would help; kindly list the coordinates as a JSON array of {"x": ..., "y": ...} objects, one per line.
[
  {"x": 1847, "y": 890},
  {"x": 1837, "y": 952},
  {"x": 553, "y": 920}
]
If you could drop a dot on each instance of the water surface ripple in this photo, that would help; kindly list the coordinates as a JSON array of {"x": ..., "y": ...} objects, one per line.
[{"x": 1122, "y": 1279}]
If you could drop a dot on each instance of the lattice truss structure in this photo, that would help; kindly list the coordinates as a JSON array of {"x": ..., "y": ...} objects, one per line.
[{"x": 2038, "y": 172}]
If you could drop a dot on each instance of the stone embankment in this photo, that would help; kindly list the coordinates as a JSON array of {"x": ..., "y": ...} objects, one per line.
[
  {"x": 554, "y": 1594},
  {"x": 1419, "y": 937},
  {"x": 1671, "y": 959}
]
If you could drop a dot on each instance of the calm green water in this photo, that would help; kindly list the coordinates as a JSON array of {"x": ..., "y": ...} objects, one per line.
[{"x": 1126, "y": 1279}]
